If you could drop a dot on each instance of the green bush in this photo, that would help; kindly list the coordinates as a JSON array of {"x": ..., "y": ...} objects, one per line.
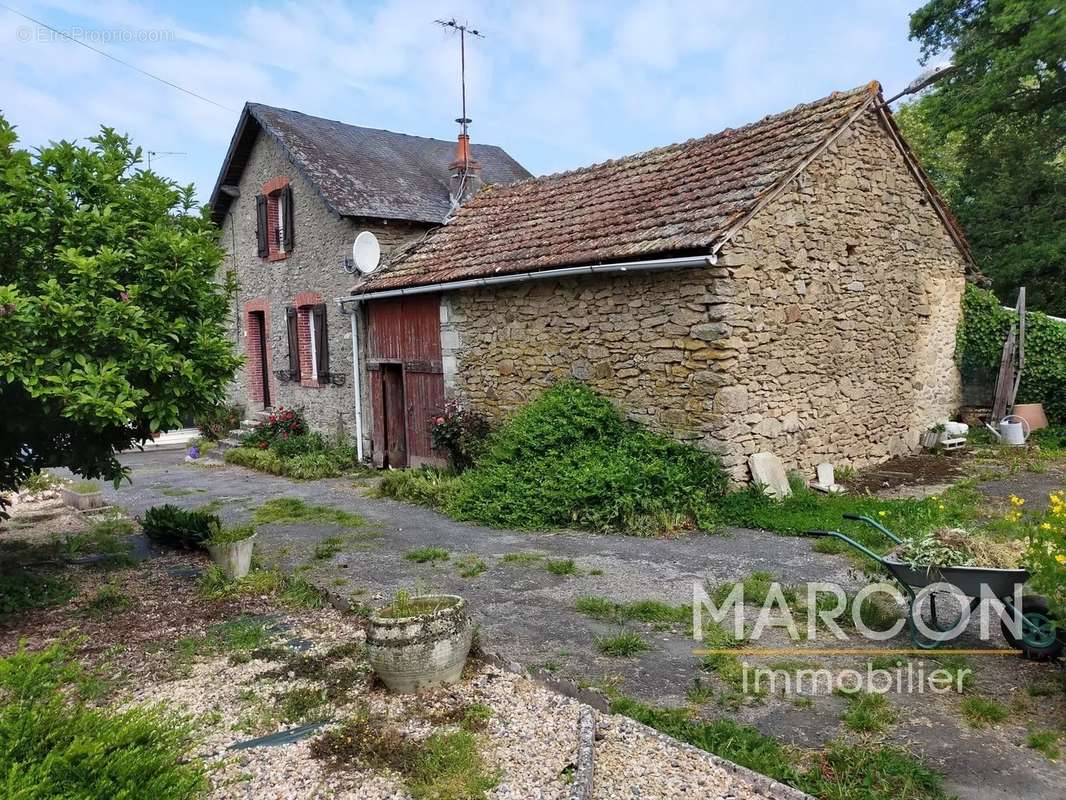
[
  {"x": 569, "y": 459},
  {"x": 979, "y": 346},
  {"x": 175, "y": 527},
  {"x": 52, "y": 745},
  {"x": 307, "y": 444},
  {"x": 218, "y": 421},
  {"x": 22, "y": 590},
  {"x": 282, "y": 423}
]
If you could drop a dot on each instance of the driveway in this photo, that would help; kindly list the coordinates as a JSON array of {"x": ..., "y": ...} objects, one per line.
[{"x": 526, "y": 614}]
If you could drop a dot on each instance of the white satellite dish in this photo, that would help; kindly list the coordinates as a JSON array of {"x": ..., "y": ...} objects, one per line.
[{"x": 366, "y": 252}]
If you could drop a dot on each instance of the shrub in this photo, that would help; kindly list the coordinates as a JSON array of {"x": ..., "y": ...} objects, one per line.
[
  {"x": 283, "y": 423},
  {"x": 461, "y": 433},
  {"x": 569, "y": 459},
  {"x": 979, "y": 346},
  {"x": 311, "y": 466},
  {"x": 175, "y": 527},
  {"x": 23, "y": 590},
  {"x": 52, "y": 745},
  {"x": 218, "y": 421}
]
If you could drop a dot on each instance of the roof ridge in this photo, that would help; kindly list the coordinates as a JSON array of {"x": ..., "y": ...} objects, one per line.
[
  {"x": 364, "y": 127},
  {"x": 869, "y": 89}
]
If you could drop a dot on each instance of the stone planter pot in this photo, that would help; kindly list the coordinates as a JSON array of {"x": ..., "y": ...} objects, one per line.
[
  {"x": 235, "y": 558},
  {"x": 422, "y": 650},
  {"x": 82, "y": 502}
]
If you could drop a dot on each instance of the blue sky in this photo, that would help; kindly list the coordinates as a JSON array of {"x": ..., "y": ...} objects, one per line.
[{"x": 558, "y": 83}]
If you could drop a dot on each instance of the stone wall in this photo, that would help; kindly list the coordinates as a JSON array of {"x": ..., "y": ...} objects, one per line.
[
  {"x": 322, "y": 240},
  {"x": 825, "y": 333}
]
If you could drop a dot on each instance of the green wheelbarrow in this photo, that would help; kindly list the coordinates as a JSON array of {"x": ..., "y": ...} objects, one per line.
[{"x": 1041, "y": 636}]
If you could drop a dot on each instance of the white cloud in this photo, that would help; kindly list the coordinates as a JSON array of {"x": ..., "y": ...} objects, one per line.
[{"x": 559, "y": 83}]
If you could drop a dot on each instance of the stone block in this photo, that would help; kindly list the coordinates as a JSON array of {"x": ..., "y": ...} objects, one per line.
[{"x": 768, "y": 472}]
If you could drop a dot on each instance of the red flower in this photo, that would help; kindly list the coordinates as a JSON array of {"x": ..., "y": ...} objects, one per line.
[
  {"x": 262, "y": 445},
  {"x": 438, "y": 421}
]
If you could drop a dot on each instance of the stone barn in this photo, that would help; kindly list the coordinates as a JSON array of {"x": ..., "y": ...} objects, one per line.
[{"x": 792, "y": 285}]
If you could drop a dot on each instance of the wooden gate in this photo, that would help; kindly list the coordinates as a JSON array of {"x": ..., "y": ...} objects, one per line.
[{"x": 406, "y": 378}]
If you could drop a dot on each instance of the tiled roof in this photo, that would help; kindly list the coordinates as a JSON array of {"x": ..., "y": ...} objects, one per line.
[
  {"x": 673, "y": 200},
  {"x": 362, "y": 172}
]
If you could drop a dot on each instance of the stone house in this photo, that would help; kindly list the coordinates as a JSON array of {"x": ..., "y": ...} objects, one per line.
[
  {"x": 293, "y": 192},
  {"x": 792, "y": 285}
]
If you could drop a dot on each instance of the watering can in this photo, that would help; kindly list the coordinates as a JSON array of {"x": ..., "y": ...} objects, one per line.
[{"x": 1012, "y": 430}]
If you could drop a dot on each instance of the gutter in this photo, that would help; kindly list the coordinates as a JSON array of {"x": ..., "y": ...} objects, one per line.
[
  {"x": 524, "y": 277},
  {"x": 357, "y": 380}
]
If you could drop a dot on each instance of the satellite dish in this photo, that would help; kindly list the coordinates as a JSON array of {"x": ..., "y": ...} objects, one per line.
[{"x": 366, "y": 252}]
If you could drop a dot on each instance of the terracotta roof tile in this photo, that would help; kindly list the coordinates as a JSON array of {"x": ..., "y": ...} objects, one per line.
[{"x": 678, "y": 198}]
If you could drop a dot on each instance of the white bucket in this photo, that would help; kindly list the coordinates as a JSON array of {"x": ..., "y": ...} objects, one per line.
[{"x": 1013, "y": 430}]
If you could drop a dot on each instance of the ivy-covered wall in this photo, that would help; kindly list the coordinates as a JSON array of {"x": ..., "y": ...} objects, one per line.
[{"x": 979, "y": 347}]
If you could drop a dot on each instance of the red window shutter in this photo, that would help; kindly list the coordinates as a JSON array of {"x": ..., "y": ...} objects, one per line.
[
  {"x": 321, "y": 343},
  {"x": 293, "y": 323},
  {"x": 286, "y": 194},
  {"x": 262, "y": 225}
]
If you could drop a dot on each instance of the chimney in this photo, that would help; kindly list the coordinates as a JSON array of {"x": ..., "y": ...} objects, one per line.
[{"x": 465, "y": 173}]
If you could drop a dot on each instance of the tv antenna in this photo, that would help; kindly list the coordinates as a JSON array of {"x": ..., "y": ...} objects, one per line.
[
  {"x": 463, "y": 30},
  {"x": 158, "y": 153}
]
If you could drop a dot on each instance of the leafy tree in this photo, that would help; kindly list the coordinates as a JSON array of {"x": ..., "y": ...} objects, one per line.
[
  {"x": 993, "y": 136},
  {"x": 112, "y": 325}
]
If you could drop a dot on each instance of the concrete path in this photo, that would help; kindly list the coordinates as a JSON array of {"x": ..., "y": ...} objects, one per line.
[{"x": 526, "y": 614}]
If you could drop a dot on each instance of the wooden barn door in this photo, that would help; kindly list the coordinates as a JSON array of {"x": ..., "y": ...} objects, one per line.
[{"x": 406, "y": 378}]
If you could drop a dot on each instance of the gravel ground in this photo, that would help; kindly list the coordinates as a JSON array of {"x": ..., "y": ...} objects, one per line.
[{"x": 153, "y": 650}]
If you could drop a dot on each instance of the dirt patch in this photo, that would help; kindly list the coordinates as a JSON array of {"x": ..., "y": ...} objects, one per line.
[{"x": 916, "y": 470}]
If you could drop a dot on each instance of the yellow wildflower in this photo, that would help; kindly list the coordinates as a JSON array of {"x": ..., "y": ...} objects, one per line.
[
  {"x": 1061, "y": 558},
  {"x": 882, "y": 513},
  {"x": 1045, "y": 526},
  {"x": 1017, "y": 501}
]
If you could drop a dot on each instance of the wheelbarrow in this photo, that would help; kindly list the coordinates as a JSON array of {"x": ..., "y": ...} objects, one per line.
[{"x": 1040, "y": 637}]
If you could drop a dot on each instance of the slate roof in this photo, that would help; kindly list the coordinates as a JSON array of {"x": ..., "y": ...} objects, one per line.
[
  {"x": 360, "y": 172},
  {"x": 674, "y": 200}
]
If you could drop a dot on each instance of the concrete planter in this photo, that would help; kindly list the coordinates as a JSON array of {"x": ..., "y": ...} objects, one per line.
[
  {"x": 82, "y": 502},
  {"x": 235, "y": 558},
  {"x": 422, "y": 650}
]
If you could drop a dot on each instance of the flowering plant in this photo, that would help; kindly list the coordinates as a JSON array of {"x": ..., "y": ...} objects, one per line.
[
  {"x": 1046, "y": 554},
  {"x": 282, "y": 423},
  {"x": 460, "y": 433}
]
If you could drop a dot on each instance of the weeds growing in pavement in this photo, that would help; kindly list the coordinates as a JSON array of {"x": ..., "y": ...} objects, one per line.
[
  {"x": 424, "y": 555},
  {"x": 291, "y": 510},
  {"x": 982, "y": 712},
  {"x": 625, "y": 644}
]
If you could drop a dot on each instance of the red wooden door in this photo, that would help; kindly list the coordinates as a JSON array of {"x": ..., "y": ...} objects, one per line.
[{"x": 404, "y": 354}]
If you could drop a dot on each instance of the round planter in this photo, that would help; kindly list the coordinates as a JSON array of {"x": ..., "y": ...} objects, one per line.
[
  {"x": 424, "y": 649},
  {"x": 235, "y": 558}
]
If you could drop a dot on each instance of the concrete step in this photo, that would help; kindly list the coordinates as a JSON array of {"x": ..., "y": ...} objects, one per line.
[{"x": 225, "y": 444}]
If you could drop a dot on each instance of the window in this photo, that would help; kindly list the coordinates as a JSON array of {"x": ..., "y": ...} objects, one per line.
[
  {"x": 308, "y": 343},
  {"x": 274, "y": 219}
]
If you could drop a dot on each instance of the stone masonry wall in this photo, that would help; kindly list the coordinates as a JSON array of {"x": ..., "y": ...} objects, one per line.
[
  {"x": 322, "y": 240},
  {"x": 825, "y": 333}
]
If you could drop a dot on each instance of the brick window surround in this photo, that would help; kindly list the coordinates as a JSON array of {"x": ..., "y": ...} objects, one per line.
[
  {"x": 272, "y": 190},
  {"x": 304, "y": 302},
  {"x": 253, "y": 365}
]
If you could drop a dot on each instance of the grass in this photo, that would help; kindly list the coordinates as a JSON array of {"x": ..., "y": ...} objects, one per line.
[
  {"x": 522, "y": 558},
  {"x": 290, "y": 510},
  {"x": 960, "y": 669},
  {"x": 427, "y": 555},
  {"x": 301, "y": 704},
  {"x": 651, "y": 611},
  {"x": 107, "y": 601},
  {"x": 1046, "y": 742},
  {"x": 292, "y": 591},
  {"x": 328, "y": 547},
  {"x": 562, "y": 566},
  {"x": 471, "y": 566},
  {"x": 807, "y": 509},
  {"x": 445, "y": 766},
  {"x": 982, "y": 712},
  {"x": 84, "y": 487},
  {"x": 23, "y": 590},
  {"x": 56, "y": 745},
  {"x": 424, "y": 486},
  {"x": 625, "y": 644},
  {"x": 868, "y": 712},
  {"x": 840, "y": 772}
]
